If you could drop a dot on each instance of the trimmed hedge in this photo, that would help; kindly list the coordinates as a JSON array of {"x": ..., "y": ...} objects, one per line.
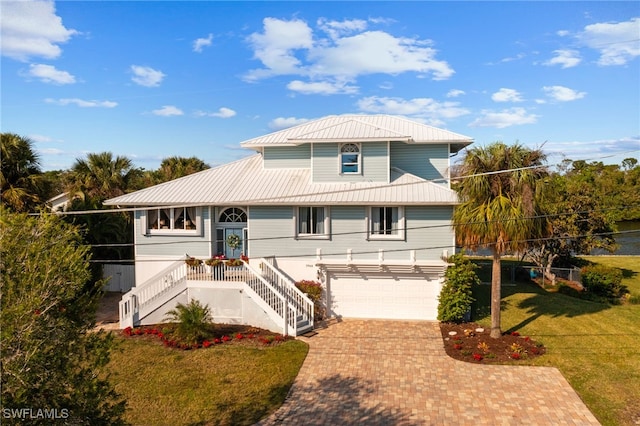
[
  {"x": 604, "y": 281},
  {"x": 455, "y": 297}
]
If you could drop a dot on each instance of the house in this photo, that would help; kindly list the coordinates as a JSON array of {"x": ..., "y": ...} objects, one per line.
[
  {"x": 59, "y": 203},
  {"x": 360, "y": 203}
]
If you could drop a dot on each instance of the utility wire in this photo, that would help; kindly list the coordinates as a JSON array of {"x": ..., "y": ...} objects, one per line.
[
  {"x": 288, "y": 197},
  {"x": 445, "y": 225},
  {"x": 324, "y": 254}
]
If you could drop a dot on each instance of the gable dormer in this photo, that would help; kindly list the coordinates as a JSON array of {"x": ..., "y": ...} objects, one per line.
[{"x": 360, "y": 148}]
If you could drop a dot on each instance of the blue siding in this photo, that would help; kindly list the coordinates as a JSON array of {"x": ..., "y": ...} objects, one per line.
[
  {"x": 272, "y": 232},
  {"x": 374, "y": 163},
  {"x": 287, "y": 157},
  {"x": 426, "y": 161},
  {"x": 174, "y": 245}
]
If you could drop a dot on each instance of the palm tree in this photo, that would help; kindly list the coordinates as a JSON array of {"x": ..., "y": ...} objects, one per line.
[
  {"x": 102, "y": 176},
  {"x": 20, "y": 175},
  {"x": 500, "y": 189},
  {"x": 176, "y": 167},
  {"x": 90, "y": 182}
]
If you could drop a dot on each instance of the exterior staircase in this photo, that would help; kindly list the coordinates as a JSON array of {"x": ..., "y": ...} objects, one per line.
[{"x": 276, "y": 294}]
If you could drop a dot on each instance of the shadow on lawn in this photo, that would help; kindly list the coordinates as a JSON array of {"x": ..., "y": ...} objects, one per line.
[
  {"x": 335, "y": 400},
  {"x": 540, "y": 303}
]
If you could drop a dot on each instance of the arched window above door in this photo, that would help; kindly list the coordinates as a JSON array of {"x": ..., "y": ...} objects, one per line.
[{"x": 233, "y": 215}]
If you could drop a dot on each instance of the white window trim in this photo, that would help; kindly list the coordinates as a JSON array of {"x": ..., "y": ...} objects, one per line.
[
  {"x": 149, "y": 231},
  {"x": 327, "y": 224},
  {"x": 400, "y": 236},
  {"x": 359, "y": 145}
]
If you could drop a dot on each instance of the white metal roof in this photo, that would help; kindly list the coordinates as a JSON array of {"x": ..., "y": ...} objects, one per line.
[
  {"x": 361, "y": 128},
  {"x": 246, "y": 182}
]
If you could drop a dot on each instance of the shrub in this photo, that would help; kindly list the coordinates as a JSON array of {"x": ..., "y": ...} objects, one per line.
[
  {"x": 634, "y": 300},
  {"x": 604, "y": 281},
  {"x": 455, "y": 297},
  {"x": 193, "y": 321},
  {"x": 313, "y": 290}
]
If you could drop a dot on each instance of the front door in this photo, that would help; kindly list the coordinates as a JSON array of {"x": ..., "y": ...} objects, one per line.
[{"x": 233, "y": 242}]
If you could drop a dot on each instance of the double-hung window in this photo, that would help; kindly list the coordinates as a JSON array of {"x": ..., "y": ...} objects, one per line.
[
  {"x": 179, "y": 219},
  {"x": 386, "y": 222},
  {"x": 350, "y": 158},
  {"x": 312, "y": 222}
]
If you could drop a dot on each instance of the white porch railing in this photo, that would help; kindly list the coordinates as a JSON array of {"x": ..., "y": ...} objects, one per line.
[
  {"x": 162, "y": 287},
  {"x": 287, "y": 288}
]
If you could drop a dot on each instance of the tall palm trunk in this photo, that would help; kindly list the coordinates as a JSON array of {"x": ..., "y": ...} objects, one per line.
[{"x": 496, "y": 278}]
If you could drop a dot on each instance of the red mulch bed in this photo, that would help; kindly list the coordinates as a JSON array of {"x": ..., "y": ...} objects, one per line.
[
  {"x": 472, "y": 343},
  {"x": 220, "y": 334}
]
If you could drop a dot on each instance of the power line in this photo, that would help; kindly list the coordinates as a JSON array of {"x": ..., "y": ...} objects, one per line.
[
  {"x": 294, "y": 236},
  {"x": 288, "y": 197},
  {"x": 446, "y": 225},
  {"x": 324, "y": 254}
]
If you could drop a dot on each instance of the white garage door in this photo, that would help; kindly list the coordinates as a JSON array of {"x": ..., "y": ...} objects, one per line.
[{"x": 400, "y": 297}]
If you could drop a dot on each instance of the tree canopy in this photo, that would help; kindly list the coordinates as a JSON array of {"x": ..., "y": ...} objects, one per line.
[
  {"x": 501, "y": 189},
  {"x": 50, "y": 357},
  {"x": 20, "y": 174}
]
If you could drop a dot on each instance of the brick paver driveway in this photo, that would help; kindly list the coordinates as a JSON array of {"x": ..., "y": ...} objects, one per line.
[{"x": 397, "y": 373}]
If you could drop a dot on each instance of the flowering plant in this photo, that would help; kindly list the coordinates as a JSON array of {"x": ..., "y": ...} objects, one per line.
[
  {"x": 193, "y": 262},
  {"x": 234, "y": 262},
  {"x": 214, "y": 261},
  {"x": 477, "y": 357}
]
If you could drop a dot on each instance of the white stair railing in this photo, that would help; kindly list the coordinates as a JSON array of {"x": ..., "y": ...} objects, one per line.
[
  {"x": 153, "y": 293},
  {"x": 304, "y": 306},
  {"x": 282, "y": 301},
  {"x": 276, "y": 302}
]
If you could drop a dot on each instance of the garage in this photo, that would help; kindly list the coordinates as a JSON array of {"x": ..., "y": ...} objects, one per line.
[{"x": 384, "y": 293}]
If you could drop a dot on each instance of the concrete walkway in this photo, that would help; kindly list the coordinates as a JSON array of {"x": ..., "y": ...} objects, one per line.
[{"x": 397, "y": 373}]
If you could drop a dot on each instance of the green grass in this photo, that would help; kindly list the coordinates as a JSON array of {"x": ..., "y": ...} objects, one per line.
[
  {"x": 221, "y": 385},
  {"x": 596, "y": 346}
]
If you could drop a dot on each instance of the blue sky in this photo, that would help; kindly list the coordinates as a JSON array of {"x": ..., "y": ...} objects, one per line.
[{"x": 149, "y": 80}]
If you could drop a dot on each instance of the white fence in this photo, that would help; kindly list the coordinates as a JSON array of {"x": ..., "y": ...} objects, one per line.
[{"x": 121, "y": 278}]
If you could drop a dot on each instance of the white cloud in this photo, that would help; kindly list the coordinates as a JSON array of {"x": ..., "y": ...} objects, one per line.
[
  {"x": 374, "y": 52},
  {"x": 455, "y": 93},
  {"x": 40, "y": 138},
  {"x": 275, "y": 47},
  {"x": 575, "y": 150},
  {"x": 146, "y": 76},
  {"x": 49, "y": 74},
  {"x": 513, "y": 58},
  {"x": 566, "y": 58},
  {"x": 285, "y": 122},
  {"x": 221, "y": 113},
  {"x": 335, "y": 29},
  {"x": 321, "y": 88},
  {"x": 32, "y": 28},
  {"x": 562, "y": 33},
  {"x": 201, "y": 43},
  {"x": 290, "y": 48},
  {"x": 51, "y": 151},
  {"x": 504, "y": 118},
  {"x": 563, "y": 94},
  {"x": 424, "y": 109},
  {"x": 168, "y": 111},
  {"x": 506, "y": 95},
  {"x": 617, "y": 42},
  {"x": 82, "y": 103}
]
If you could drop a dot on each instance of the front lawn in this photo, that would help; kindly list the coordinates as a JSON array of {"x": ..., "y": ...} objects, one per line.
[
  {"x": 222, "y": 385},
  {"x": 596, "y": 346}
]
